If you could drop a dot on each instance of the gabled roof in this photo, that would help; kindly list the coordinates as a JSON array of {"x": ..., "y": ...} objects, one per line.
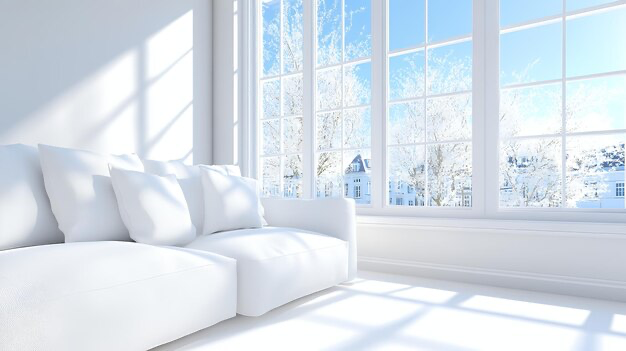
[{"x": 363, "y": 165}]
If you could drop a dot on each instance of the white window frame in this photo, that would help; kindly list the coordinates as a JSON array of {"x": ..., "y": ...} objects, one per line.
[
  {"x": 485, "y": 115},
  {"x": 619, "y": 189}
]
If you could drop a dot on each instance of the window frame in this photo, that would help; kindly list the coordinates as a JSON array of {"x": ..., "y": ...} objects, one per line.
[{"x": 485, "y": 115}]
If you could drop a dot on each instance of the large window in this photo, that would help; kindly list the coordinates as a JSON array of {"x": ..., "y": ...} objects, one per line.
[
  {"x": 429, "y": 102},
  {"x": 562, "y": 103},
  {"x": 471, "y": 108}
]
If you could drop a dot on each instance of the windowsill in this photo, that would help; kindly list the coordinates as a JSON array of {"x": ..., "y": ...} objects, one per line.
[{"x": 563, "y": 227}]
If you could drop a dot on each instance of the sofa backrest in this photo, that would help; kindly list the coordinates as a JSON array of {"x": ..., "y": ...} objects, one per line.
[{"x": 26, "y": 218}]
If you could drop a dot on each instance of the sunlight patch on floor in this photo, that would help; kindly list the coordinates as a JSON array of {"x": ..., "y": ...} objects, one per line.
[{"x": 387, "y": 312}]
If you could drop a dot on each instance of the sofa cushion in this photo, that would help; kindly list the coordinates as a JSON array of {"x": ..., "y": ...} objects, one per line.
[
  {"x": 278, "y": 265},
  {"x": 110, "y": 295},
  {"x": 230, "y": 202},
  {"x": 26, "y": 218},
  {"x": 81, "y": 194},
  {"x": 189, "y": 180},
  {"x": 153, "y": 207}
]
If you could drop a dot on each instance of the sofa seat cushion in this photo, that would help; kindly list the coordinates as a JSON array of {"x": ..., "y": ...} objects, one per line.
[
  {"x": 110, "y": 295},
  {"x": 278, "y": 265}
]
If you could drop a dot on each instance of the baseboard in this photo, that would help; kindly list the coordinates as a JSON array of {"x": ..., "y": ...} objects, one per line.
[{"x": 567, "y": 285}]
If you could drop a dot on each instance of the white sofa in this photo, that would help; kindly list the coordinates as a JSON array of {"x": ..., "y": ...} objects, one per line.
[
  {"x": 117, "y": 295},
  {"x": 290, "y": 258},
  {"x": 110, "y": 295}
]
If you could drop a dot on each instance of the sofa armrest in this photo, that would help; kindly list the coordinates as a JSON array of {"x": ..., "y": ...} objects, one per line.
[{"x": 331, "y": 216}]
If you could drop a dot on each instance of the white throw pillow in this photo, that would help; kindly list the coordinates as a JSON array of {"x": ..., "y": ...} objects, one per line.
[
  {"x": 81, "y": 194},
  {"x": 26, "y": 218},
  {"x": 230, "y": 202},
  {"x": 191, "y": 183},
  {"x": 153, "y": 208}
]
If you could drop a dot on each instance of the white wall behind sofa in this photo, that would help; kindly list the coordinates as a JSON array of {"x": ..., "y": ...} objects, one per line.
[{"x": 115, "y": 76}]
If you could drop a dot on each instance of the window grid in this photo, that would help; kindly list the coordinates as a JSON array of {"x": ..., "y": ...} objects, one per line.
[
  {"x": 563, "y": 135},
  {"x": 341, "y": 149},
  {"x": 283, "y": 189},
  {"x": 379, "y": 183},
  {"x": 425, "y": 96}
]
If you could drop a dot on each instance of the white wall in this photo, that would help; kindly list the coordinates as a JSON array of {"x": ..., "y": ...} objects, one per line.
[
  {"x": 115, "y": 75},
  {"x": 568, "y": 258}
]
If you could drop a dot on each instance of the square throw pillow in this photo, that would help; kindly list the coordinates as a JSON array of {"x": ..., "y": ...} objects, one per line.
[
  {"x": 81, "y": 194},
  {"x": 191, "y": 183},
  {"x": 153, "y": 207},
  {"x": 230, "y": 202},
  {"x": 26, "y": 218}
]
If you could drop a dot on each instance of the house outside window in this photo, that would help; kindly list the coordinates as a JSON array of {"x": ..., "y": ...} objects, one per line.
[{"x": 619, "y": 189}]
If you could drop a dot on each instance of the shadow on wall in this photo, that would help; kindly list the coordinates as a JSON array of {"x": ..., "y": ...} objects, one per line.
[{"x": 115, "y": 76}]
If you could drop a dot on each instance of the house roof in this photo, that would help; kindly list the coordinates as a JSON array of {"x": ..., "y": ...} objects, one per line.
[{"x": 363, "y": 165}]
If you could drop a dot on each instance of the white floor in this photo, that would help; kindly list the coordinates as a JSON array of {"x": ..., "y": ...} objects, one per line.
[{"x": 387, "y": 312}]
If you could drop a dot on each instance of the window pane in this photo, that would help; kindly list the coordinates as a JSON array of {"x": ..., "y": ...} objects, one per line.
[
  {"x": 406, "y": 123},
  {"x": 596, "y": 104},
  {"x": 329, "y": 36},
  {"x": 292, "y": 135},
  {"x": 407, "y": 179},
  {"x": 357, "y": 127},
  {"x": 450, "y": 68},
  {"x": 530, "y": 173},
  {"x": 329, "y": 180},
  {"x": 271, "y": 176},
  {"x": 449, "y": 19},
  {"x": 329, "y": 130},
  {"x": 595, "y": 43},
  {"x": 406, "y": 75},
  {"x": 357, "y": 84},
  {"x": 580, "y": 4},
  {"x": 271, "y": 37},
  {"x": 531, "y": 111},
  {"x": 292, "y": 95},
  {"x": 449, "y": 118},
  {"x": 406, "y": 23},
  {"x": 329, "y": 89},
  {"x": 271, "y": 98},
  {"x": 595, "y": 164},
  {"x": 357, "y": 171},
  {"x": 531, "y": 55},
  {"x": 358, "y": 29},
  {"x": 516, "y": 11},
  {"x": 292, "y": 176},
  {"x": 292, "y": 35},
  {"x": 271, "y": 137},
  {"x": 450, "y": 174}
]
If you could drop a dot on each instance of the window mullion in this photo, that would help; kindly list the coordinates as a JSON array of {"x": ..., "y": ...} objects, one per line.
[
  {"x": 479, "y": 91},
  {"x": 563, "y": 111},
  {"x": 426, "y": 170},
  {"x": 492, "y": 105},
  {"x": 379, "y": 189},
  {"x": 308, "y": 90}
]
